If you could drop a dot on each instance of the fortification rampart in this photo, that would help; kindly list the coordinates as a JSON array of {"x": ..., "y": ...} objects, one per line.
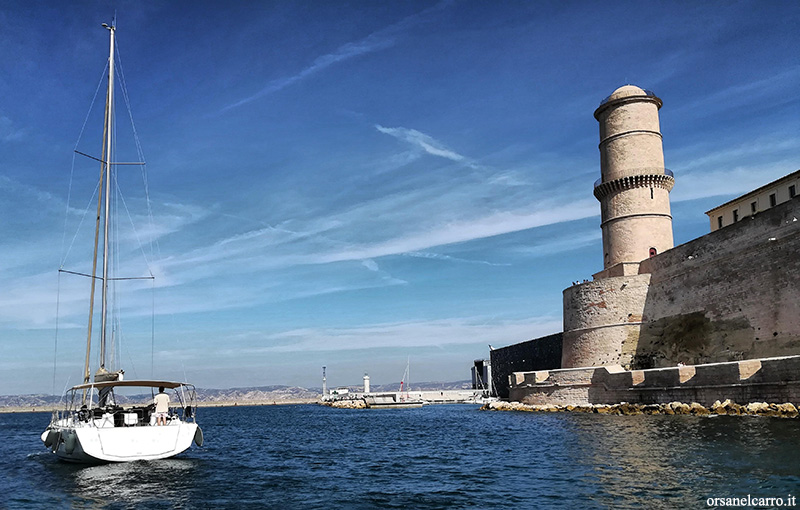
[
  {"x": 538, "y": 354},
  {"x": 775, "y": 380},
  {"x": 602, "y": 321},
  {"x": 732, "y": 294}
]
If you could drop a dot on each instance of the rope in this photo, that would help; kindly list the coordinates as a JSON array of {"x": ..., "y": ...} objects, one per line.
[
  {"x": 85, "y": 212},
  {"x": 133, "y": 226},
  {"x": 153, "y": 333},
  {"x": 72, "y": 169},
  {"x": 55, "y": 349},
  {"x": 139, "y": 153},
  {"x": 155, "y": 248}
]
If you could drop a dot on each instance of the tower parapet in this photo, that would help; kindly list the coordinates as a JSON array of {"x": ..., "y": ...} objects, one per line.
[{"x": 634, "y": 185}]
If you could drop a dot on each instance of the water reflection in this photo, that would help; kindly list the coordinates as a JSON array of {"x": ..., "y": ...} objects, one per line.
[
  {"x": 436, "y": 457},
  {"x": 650, "y": 460},
  {"x": 130, "y": 484}
]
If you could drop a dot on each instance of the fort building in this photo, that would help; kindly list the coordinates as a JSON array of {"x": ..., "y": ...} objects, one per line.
[
  {"x": 731, "y": 296},
  {"x": 761, "y": 199}
]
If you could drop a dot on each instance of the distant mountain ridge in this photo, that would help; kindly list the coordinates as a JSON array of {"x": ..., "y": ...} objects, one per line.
[{"x": 254, "y": 394}]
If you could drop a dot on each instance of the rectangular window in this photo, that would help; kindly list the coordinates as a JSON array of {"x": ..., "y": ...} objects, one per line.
[
  {"x": 753, "y": 207},
  {"x": 792, "y": 191},
  {"x": 772, "y": 200},
  {"x": 735, "y": 215},
  {"x": 719, "y": 221}
]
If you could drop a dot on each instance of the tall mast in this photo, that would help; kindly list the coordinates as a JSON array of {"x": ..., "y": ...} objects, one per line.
[
  {"x": 104, "y": 169},
  {"x": 109, "y": 136}
]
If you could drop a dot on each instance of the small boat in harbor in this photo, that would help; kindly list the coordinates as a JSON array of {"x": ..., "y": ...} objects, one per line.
[
  {"x": 95, "y": 426},
  {"x": 399, "y": 400},
  {"x": 391, "y": 401}
]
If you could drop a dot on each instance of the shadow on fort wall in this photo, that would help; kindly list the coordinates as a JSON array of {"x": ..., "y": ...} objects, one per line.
[
  {"x": 764, "y": 380},
  {"x": 538, "y": 354},
  {"x": 730, "y": 295}
]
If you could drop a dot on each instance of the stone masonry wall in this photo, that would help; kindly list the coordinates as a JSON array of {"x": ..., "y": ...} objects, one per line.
[
  {"x": 539, "y": 354},
  {"x": 774, "y": 380},
  {"x": 730, "y": 295},
  {"x": 602, "y": 319}
]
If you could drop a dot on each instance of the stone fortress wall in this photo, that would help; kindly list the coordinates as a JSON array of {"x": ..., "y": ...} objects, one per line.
[
  {"x": 730, "y": 295},
  {"x": 760, "y": 380},
  {"x": 733, "y": 294},
  {"x": 538, "y": 354},
  {"x": 662, "y": 323}
]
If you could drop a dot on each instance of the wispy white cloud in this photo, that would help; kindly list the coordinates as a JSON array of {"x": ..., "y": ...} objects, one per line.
[
  {"x": 553, "y": 246},
  {"x": 704, "y": 171},
  {"x": 370, "y": 264},
  {"x": 448, "y": 258},
  {"x": 411, "y": 334},
  {"x": 729, "y": 181},
  {"x": 490, "y": 225},
  {"x": 749, "y": 92},
  {"x": 374, "y": 42},
  {"x": 9, "y": 132},
  {"x": 422, "y": 142}
]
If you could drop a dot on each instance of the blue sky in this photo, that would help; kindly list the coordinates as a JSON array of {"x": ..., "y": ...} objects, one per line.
[{"x": 352, "y": 184}]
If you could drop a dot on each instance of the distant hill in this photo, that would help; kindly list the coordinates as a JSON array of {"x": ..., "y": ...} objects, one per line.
[{"x": 254, "y": 394}]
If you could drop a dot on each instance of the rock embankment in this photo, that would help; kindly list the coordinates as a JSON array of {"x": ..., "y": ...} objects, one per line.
[
  {"x": 728, "y": 407},
  {"x": 345, "y": 404}
]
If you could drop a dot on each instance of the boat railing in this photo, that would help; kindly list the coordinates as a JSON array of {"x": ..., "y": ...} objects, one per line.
[{"x": 85, "y": 409}]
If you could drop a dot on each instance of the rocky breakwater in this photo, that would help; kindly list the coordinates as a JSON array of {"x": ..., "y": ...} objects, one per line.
[
  {"x": 345, "y": 404},
  {"x": 727, "y": 407}
]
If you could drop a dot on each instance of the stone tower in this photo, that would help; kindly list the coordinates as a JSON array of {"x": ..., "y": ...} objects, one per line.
[
  {"x": 603, "y": 318},
  {"x": 634, "y": 186}
]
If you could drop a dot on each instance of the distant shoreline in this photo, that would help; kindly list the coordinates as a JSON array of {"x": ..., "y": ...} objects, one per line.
[{"x": 245, "y": 403}]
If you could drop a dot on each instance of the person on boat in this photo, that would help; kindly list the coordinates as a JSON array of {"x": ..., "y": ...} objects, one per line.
[{"x": 162, "y": 406}]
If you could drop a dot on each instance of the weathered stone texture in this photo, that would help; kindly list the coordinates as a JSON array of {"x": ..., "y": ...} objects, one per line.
[
  {"x": 634, "y": 187},
  {"x": 729, "y": 295},
  {"x": 602, "y": 320},
  {"x": 775, "y": 380}
]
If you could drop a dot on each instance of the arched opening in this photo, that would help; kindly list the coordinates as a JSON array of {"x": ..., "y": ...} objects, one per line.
[{"x": 653, "y": 252}]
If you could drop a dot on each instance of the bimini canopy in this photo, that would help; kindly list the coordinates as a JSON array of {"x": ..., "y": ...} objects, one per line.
[{"x": 135, "y": 383}]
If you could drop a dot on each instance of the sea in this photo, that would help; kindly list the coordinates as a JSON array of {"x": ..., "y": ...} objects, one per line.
[{"x": 439, "y": 456}]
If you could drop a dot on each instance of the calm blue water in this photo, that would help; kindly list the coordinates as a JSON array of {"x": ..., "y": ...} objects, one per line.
[{"x": 453, "y": 456}]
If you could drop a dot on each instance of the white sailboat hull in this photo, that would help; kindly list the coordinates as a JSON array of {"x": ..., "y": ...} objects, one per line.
[{"x": 92, "y": 444}]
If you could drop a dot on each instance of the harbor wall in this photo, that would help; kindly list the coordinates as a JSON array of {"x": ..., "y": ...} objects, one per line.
[
  {"x": 429, "y": 396},
  {"x": 773, "y": 380},
  {"x": 538, "y": 354}
]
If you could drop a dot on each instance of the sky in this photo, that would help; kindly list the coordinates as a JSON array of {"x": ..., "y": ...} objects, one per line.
[{"x": 356, "y": 185}]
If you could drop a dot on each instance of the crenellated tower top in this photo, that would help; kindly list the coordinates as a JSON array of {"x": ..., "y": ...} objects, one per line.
[{"x": 634, "y": 185}]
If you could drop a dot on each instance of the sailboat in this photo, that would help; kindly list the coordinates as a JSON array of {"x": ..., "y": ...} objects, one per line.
[
  {"x": 93, "y": 427},
  {"x": 397, "y": 400}
]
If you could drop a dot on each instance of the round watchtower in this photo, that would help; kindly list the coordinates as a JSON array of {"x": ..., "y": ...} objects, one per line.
[{"x": 634, "y": 186}]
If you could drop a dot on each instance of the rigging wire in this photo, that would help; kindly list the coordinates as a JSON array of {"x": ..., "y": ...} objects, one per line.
[
  {"x": 66, "y": 218},
  {"x": 153, "y": 332},
  {"x": 55, "y": 348},
  {"x": 155, "y": 248},
  {"x": 139, "y": 153}
]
